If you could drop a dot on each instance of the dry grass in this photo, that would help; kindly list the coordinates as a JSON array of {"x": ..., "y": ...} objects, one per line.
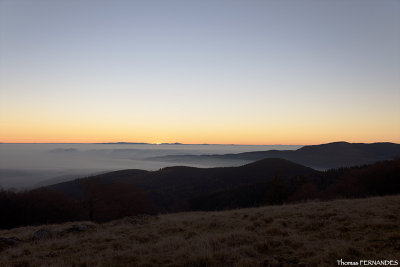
[{"x": 309, "y": 234}]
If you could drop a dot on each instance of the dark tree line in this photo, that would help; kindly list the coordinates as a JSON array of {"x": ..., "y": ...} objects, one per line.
[
  {"x": 44, "y": 206},
  {"x": 378, "y": 179},
  {"x": 101, "y": 200}
]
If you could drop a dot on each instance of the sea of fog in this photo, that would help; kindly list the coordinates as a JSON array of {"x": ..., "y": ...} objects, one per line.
[{"x": 24, "y": 166}]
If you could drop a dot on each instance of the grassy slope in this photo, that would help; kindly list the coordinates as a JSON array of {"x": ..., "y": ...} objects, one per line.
[{"x": 309, "y": 234}]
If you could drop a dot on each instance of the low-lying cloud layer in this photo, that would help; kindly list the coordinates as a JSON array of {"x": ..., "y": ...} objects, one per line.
[{"x": 32, "y": 165}]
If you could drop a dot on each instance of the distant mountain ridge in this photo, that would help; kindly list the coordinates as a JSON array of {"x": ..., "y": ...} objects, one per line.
[{"x": 324, "y": 156}]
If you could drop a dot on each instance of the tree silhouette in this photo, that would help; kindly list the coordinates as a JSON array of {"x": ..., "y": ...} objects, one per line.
[{"x": 277, "y": 192}]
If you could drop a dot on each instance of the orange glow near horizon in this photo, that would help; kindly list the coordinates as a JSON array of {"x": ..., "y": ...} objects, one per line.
[
  {"x": 263, "y": 73},
  {"x": 300, "y": 127},
  {"x": 231, "y": 135},
  {"x": 296, "y": 128},
  {"x": 89, "y": 141}
]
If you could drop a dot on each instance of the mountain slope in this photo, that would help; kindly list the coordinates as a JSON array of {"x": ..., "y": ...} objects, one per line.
[
  {"x": 124, "y": 193},
  {"x": 324, "y": 156},
  {"x": 268, "y": 181},
  {"x": 171, "y": 188}
]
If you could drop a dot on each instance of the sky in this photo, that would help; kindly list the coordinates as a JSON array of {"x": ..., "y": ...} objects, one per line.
[{"x": 219, "y": 72}]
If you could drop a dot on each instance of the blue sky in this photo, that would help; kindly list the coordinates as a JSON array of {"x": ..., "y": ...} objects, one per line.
[{"x": 253, "y": 72}]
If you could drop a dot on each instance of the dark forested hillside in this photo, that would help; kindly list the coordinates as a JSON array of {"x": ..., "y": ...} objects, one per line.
[
  {"x": 100, "y": 202},
  {"x": 171, "y": 188},
  {"x": 268, "y": 181},
  {"x": 123, "y": 193}
]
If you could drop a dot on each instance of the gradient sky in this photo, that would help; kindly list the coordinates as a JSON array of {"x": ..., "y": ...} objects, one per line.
[{"x": 243, "y": 72}]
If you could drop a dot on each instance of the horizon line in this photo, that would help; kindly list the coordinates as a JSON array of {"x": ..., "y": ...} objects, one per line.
[
  {"x": 178, "y": 143},
  {"x": 145, "y": 143}
]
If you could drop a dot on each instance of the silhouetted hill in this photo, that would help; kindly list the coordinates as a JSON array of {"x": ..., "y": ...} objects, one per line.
[
  {"x": 268, "y": 181},
  {"x": 75, "y": 188},
  {"x": 171, "y": 188},
  {"x": 378, "y": 179},
  {"x": 325, "y": 156},
  {"x": 117, "y": 194}
]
